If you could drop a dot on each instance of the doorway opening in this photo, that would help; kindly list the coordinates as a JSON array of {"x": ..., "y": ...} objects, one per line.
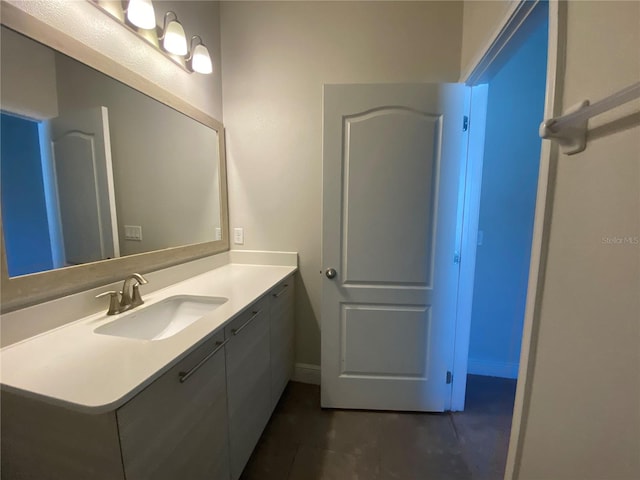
[
  {"x": 515, "y": 107},
  {"x": 58, "y": 200},
  {"x": 29, "y": 206},
  {"x": 508, "y": 108}
]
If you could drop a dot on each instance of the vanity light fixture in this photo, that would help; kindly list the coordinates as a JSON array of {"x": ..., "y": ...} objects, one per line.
[
  {"x": 199, "y": 59},
  {"x": 173, "y": 37},
  {"x": 139, "y": 18},
  {"x": 141, "y": 14}
]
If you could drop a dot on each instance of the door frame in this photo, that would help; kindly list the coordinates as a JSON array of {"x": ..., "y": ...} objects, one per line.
[{"x": 502, "y": 39}]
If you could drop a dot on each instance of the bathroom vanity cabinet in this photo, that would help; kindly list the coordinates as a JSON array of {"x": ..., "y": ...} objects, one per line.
[{"x": 201, "y": 419}]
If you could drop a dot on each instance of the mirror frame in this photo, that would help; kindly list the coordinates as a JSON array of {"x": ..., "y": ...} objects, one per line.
[{"x": 22, "y": 291}]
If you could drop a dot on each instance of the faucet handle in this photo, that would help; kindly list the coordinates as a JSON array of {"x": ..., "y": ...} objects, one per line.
[{"x": 114, "y": 302}]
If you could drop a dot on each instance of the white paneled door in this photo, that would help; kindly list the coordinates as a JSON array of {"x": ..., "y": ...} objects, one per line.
[
  {"x": 392, "y": 165},
  {"x": 81, "y": 146}
]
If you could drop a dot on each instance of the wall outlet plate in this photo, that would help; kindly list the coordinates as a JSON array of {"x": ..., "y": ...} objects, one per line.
[
  {"x": 238, "y": 236},
  {"x": 133, "y": 232}
]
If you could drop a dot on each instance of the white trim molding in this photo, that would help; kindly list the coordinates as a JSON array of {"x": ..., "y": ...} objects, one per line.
[{"x": 306, "y": 373}]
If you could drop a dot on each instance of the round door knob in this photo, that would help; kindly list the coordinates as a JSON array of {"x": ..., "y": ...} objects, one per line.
[{"x": 331, "y": 273}]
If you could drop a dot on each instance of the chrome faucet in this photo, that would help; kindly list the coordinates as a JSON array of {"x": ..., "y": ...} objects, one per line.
[{"x": 128, "y": 298}]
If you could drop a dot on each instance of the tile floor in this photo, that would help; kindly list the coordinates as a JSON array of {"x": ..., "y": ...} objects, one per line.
[{"x": 304, "y": 442}]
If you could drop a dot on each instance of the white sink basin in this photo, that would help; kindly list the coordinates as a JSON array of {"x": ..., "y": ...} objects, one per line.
[{"x": 163, "y": 319}]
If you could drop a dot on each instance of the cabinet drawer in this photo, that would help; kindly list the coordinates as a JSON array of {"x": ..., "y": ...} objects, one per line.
[{"x": 177, "y": 426}]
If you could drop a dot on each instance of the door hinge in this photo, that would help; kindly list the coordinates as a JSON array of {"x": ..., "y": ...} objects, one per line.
[
  {"x": 465, "y": 123},
  {"x": 449, "y": 377}
]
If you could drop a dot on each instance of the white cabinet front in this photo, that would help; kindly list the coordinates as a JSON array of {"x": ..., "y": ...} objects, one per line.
[
  {"x": 282, "y": 335},
  {"x": 248, "y": 382},
  {"x": 177, "y": 427}
]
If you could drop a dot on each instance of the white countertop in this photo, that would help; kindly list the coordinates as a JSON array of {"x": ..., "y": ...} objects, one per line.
[{"x": 74, "y": 367}]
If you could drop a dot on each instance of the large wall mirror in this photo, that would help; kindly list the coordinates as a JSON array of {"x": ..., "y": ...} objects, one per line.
[{"x": 98, "y": 178}]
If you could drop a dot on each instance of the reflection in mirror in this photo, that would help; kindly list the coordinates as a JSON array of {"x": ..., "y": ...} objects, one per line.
[{"x": 93, "y": 169}]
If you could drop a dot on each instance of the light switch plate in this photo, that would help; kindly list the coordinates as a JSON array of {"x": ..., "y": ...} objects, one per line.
[
  {"x": 218, "y": 233},
  {"x": 238, "y": 236},
  {"x": 133, "y": 232}
]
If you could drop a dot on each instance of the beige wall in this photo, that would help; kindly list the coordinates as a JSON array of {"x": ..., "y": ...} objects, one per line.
[
  {"x": 584, "y": 416},
  {"x": 480, "y": 20},
  {"x": 28, "y": 81},
  {"x": 86, "y": 23},
  {"x": 276, "y": 57}
]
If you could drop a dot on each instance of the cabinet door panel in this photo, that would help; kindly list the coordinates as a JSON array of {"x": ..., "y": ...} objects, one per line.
[
  {"x": 47, "y": 442},
  {"x": 179, "y": 430},
  {"x": 282, "y": 338},
  {"x": 248, "y": 383}
]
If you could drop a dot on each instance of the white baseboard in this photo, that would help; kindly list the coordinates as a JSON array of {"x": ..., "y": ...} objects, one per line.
[
  {"x": 492, "y": 369},
  {"x": 306, "y": 373}
]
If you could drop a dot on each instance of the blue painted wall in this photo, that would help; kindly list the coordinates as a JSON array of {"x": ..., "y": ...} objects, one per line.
[
  {"x": 24, "y": 211},
  {"x": 507, "y": 203}
]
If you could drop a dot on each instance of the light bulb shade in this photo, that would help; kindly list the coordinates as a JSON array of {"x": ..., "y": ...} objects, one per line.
[
  {"x": 141, "y": 14},
  {"x": 174, "y": 40},
  {"x": 200, "y": 60}
]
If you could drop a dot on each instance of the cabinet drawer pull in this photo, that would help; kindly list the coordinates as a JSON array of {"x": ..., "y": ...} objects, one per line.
[
  {"x": 276, "y": 295},
  {"x": 184, "y": 376},
  {"x": 236, "y": 331}
]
